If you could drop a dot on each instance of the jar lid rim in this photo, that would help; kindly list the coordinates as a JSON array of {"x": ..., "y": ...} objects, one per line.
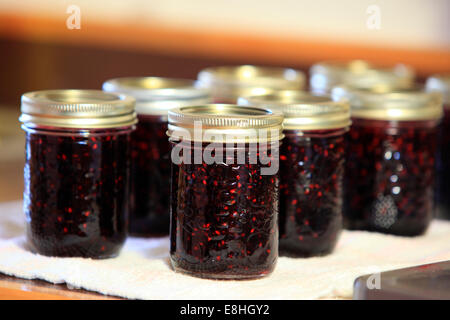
[
  {"x": 155, "y": 88},
  {"x": 359, "y": 74},
  {"x": 359, "y": 67},
  {"x": 225, "y": 119},
  {"x": 76, "y": 108},
  {"x": 252, "y": 75},
  {"x": 303, "y": 110},
  {"x": 391, "y": 104},
  {"x": 440, "y": 83},
  {"x": 156, "y": 95}
]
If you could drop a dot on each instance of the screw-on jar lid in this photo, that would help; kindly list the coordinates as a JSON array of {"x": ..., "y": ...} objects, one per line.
[
  {"x": 413, "y": 104},
  {"x": 358, "y": 74},
  {"x": 234, "y": 81},
  {"x": 82, "y": 109},
  {"x": 440, "y": 83},
  {"x": 302, "y": 110},
  {"x": 155, "y": 96},
  {"x": 229, "y": 123}
]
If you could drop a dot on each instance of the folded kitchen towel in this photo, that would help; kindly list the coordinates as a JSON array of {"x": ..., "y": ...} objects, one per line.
[{"x": 142, "y": 270}]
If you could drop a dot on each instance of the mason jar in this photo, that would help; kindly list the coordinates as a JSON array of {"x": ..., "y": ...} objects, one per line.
[
  {"x": 358, "y": 74},
  {"x": 228, "y": 83},
  {"x": 224, "y": 197},
  {"x": 312, "y": 156},
  {"x": 77, "y": 171},
  {"x": 150, "y": 167},
  {"x": 390, "y": 172},
  {"x": 441, "y": 83}
]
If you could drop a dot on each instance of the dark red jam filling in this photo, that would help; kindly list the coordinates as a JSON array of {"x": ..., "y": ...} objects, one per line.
[
  {"x": 150, "y": 178},
  {"x": 76, "y": 193},
  {"x": 311, "y": 173},
  {"x": 389, "y": 179},
  {"x": 443, "y": 168},
  {"x": 224, "y": 220}
]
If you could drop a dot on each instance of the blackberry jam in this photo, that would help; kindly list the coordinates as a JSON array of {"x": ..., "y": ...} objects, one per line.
[
  {"x": 224, "y": 212},
  {"x": 390, "y": 171},
  {"x": 358, "y": 74},
  {"x": 150, "y": 188},
  {"x": 150, "y": 170},
  {"x": 441, "y": 83},
  {"x": 77, "y": 171},
  {"x": 228, "y": 83},
  {"x": 312, "y": 156}
]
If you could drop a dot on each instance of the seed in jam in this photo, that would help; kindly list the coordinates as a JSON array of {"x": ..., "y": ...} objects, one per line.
[
  {"x": 224, "y": 219},
  {"x": 76, "y": 192},
  {"x": 389, "y": 179},
  {"x": 311, "y": 173},
  {"x": 150, "y": 178}
]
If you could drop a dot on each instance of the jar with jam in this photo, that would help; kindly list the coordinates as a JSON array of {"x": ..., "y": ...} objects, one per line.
[
  {"x": 358, "y": 74},
  {"x": 390, "y": 171},
  {"x": 441, "y": 83},
  {"x": 228, "y": 83},
  {"x": 312, "y": 156},
  {"x": 77, "y": 171},
  {"x": 150, "y": 167},
  {"x": 224, "y": 196}
]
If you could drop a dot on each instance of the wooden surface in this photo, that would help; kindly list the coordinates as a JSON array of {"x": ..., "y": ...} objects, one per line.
[
  {"x": 221, "y": 45},
  {"x": 27, "y": 66},
  {"x": 20, "y": 289},
  {"x": 11, "y": 155}
]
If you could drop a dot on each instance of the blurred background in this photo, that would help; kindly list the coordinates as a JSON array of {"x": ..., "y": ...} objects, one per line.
[{"x": 51, "y": 44}]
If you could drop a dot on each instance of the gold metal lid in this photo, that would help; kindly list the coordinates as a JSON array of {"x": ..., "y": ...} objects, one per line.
[
  {"x": 235, "y": 81},
  {"x": 359, "y": 74},
  {"x": 155, "y": 95},
  {"x": 397, "y": 105},
  {"x": 302, "y": 110},
  {"x": 230, "y": 123},
  {"x": 81, "y": 109},
  {"x": 440, "y": 83}
]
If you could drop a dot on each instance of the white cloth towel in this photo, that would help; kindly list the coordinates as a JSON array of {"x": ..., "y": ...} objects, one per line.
[{"x": 142, "y": 270}]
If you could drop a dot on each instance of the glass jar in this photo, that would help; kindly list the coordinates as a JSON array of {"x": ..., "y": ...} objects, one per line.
[
  {"x": 390, "y": 172},
  {"x": 228, "y": 83},
  {"x": 311, "y": 170},
  {"x": 224, "y": 197},
  {"x": 358, "y": 74},
  {"x": 441, "y": 83},
  {"x": 77, "y": 171},
  {"x": 150, "y": 167}
]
